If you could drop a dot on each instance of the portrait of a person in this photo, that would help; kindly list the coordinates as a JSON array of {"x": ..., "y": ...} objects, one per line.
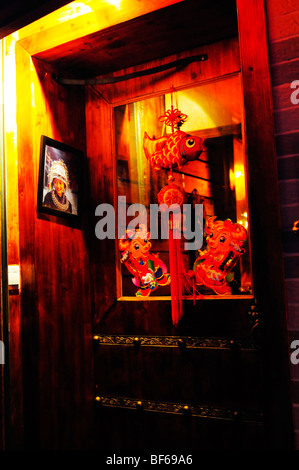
[{"x": 58, "y": 182}]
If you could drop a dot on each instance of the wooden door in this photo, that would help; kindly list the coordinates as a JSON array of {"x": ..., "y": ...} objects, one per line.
[{"x": 209, "y": 382}]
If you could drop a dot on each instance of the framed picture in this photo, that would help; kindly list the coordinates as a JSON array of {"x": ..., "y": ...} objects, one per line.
[{"x": 59, "y": 188}]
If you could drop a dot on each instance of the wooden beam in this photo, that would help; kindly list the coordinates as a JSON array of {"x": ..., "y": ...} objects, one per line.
[
  {"x": 71, "y": 22},
  {"x": 266, "y": 233}
]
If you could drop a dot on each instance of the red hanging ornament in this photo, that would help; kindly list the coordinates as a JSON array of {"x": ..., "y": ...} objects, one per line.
[
  {"x": 169, "y": 152},
  {"x": 173, "y": 195},
  {"x": 173, "y": 117}
]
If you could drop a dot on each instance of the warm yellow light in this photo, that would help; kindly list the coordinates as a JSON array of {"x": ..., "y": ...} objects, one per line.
[
  {"x": 115, "y": 3},
  {"x": 243, "y": 222},
  {"x": 72, "y": 10},
  {"x": 237, "y": 181},
  {"x": 232, "y": 179},
  {"x": 198, "y": 116},
  {"x": 9, "y": 88}
]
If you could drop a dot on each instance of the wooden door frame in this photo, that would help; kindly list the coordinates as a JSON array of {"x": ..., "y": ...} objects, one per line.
[{"x": 268, "y": 265}]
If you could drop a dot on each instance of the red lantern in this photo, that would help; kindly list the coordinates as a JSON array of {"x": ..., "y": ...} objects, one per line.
[
  {"x": 172, "y": 151},
  {"x": 172, "y": 194}
]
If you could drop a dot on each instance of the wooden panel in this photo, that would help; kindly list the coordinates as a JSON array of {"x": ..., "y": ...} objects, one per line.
[
  {"x": 158, "y": 432},
  {"x": 209, "y": 376},
  {"x": 55, "y": 296},
  {"x": 13, "y": 255},
  {"x": 214, "y": 317},
  {"x": 80, "y": 20},
  {"x": 26, "y": 247},
  {"x": 101, "y": 170},
  {"x": 223, "y": 59},
  {"x": 263, "y": 186}
]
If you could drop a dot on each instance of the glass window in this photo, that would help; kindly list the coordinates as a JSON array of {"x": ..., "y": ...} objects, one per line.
[{"x": 216, "y": 179}]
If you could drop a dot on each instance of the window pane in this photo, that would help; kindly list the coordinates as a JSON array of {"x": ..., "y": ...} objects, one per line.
[{"x": 216, "y": 179}]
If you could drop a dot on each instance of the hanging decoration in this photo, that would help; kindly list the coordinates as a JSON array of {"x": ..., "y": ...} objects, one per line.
[
  {"x": 148, "y": 269},
  {"x": 172, "y": 194},
  {"x": 167, "y": 153},
  {"x": 214, "y": 266}
]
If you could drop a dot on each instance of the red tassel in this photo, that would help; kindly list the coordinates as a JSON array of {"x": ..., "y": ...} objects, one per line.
[{"x": 176, "y": 287}]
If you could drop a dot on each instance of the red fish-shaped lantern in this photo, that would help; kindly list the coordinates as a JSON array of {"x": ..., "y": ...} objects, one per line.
[
  {"x": 172, "y": 151},
  {"x": 224, "y": 240},
  {"x": 148, "y": 269}
]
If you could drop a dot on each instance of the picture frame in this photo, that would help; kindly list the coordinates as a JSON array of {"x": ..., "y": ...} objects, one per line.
[{"x": 59, "y": 185}]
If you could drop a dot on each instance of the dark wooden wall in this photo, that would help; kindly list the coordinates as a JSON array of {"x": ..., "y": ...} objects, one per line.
[{"x": 283, "y": 37}]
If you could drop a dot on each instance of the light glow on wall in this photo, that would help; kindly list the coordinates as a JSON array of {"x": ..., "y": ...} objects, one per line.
[
  {"x": 115, "y": 3},
  {"x": 237, "y": 181},
  {"x": 73, "y": 10},
  {"x": 9, "y": 90}
]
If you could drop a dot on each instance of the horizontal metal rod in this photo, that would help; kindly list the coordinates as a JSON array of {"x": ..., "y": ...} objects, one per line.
[
  {"x": 174, "y": 341},
  {"x": 105, "y": 81},
  {"x": 180, "y": 409}
]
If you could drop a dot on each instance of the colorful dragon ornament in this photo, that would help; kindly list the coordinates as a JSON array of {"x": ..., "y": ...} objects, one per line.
[
  {"x": 148, "y": 269},
  {"x": 214, "y": 266}
]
